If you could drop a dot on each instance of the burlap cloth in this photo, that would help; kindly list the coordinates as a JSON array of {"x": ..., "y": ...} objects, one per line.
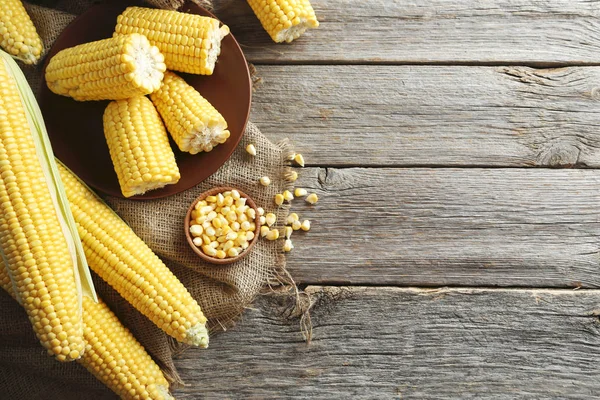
[{"x": 26, "y": 372}]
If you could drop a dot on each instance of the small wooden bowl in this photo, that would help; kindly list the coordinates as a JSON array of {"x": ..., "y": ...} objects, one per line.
[{"x": 226, "y": 260}]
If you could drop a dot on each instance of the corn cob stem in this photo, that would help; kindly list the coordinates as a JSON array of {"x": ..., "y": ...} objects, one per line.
[
  {"x": 126, "y": 263},
  {"x": 110, "y": 69},
  {"x": 284, "y": 20},
  {"x": 192, "y": 121},
  {"x": 191, "y": 43},
  {"x": 18, "y": 34},
  {"x": 139, "y": 146}
]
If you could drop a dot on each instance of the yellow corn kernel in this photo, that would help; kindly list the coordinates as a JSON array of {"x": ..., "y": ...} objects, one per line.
[
  {"x": 236, "y": 195},
  {"x": 265, "y": 181},
  {"x": 196, "y": 230},
  {"x": 262, "y": 220},
  {"x": 273, "y": 234},
  {"x": 211, "y": 199},
  {"x": 209, "y": 251},
  {"x": 292, "y": 218},
  {"x": 261, "y": 211},
  {"x": 235, "y": 226},
  {"x": 233, "y": 252},
  {"x": 288, "y": 196},
  {"x": 18, "y": 34},
  {"x": 198, "y": 242},
  {"x": 139, "y": 146},
  {"x": 278, "y": 199},
  {"x": 312, "y": 198},
  {"x": 270, "y": 218},
  {"x": 249, "y": 236},
  {"x": 245, "y": 226},
  {"x": 190, "y": 43},
  {"x": 251, "y": 149},
  {"x": 111, "y": 69},
  {"x": 299, "y": 159},
  {"x": 251, "y": 213},
  {"x": 194, "y": 124},
  {"x": 299, "y": 192},
  {"x": 264, "y": 230},
  {"x": 305, "y": 225},
  {"x": 296, "y": 225},
  {"x": 288, "y": 246},
  {"x": 284, "y": 20},
  {"x": 220, "y": 254},
  {"x": 288, "y": 231}
]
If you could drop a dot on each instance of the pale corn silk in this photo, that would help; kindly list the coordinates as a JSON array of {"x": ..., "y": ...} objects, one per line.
[{"x": 26, "y": 372}]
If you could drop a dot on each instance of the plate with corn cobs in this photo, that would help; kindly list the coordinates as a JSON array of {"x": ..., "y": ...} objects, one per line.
[{"x": 145, "y": 103}]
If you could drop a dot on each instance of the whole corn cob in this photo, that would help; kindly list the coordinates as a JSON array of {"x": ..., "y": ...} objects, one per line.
[
  {"x": 38, "y": 243},
  {"x": 126, "y": 263},
  {"x": 192, "y": 121},
  {"x": 284, "y": 20},
  {"x": 112, "y": 354},
  {"x": 191, "y": 43},
  {"x": 110, "y": 69},
  {"x": 139, "y": 146},
  {"x": 19, "y": 37}
]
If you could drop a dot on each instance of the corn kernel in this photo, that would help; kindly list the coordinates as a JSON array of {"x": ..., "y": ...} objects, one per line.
[
  {"x": 263, "y": 231},
  {"x": 299, "y": 160},
  {"x": 291, "y": 176},
  {"x": 262, "y": 220},
  {"x": 210, "y": 231},
  {"x": 265, "y": 181},
  {"x": 231, "y": 236},
  {"x": 209, "y": 251},
  {"x": 249, "y": 236},
  {"x": 312, "y": 198},
  {"x": 288, "y": 246},
  {"x": 220, "y": 199},
  {"x": 220, "y": 254},
  {"x": 211, "y": 199},
  {"x": 235, "y": 226},
  {"x": 252, "y": 226},
  {"x": 196, "y": 230},
  {"x": 214, "y": 244},
  {"x": 211, "y": 215},
  {"x": 291, "y": 218},
  {"x": 233, "y": 252},
  {"x": 288, "y": 196},
  {"x": 261, "y": 211},
  {"x": 291, "y": 156},
  {"x": 251, "y": 149},
  {"x": 305, "y": 225},
  {"x": 279, "y": 199},
  {"x": 236, "y": 195},
  {"x": 288, "y": 231},
  {"x": 296, "y": 225},
  {"x": 299, "y": 192},
  {"x": 245, "y": 226},
  {"x": 245, "y": 245},
  {"x": 240, "y": 202},
  {"x": 198, "y": 241},
  {"x": 228, "y": 244},
  {"x": 251, "y": 213},
  {"x": 217, "y": 223},
  {"x": 273, "y": 234},
  {"x": 270, "y": 218}
]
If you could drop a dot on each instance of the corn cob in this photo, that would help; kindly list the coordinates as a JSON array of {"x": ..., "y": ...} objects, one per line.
[
  {"x": 110, "y": 69},
  {"x": 284, "y": 20},
  {"x": 139, "y": 146},
  {"x": 191, "y": 43},
  {"x": 112, "y": 354},
  {"x": 19, "y": 37},
  {"x": 192, "y": 121},
  {"x": 126, "y": 263},
  {"x": 38, "y": 240}
]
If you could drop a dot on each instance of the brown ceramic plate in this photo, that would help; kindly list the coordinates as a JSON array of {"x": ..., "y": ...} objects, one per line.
[{"x": 75, "y": 128}]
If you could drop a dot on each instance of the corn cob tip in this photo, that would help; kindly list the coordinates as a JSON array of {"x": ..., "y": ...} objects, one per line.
[
  {"x": 197, "y": 335},
  {"x": 163, "y": 391}
]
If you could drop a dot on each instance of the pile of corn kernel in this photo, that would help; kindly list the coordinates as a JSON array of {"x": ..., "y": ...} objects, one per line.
[
  {"x": 293, "y": 222},
  {"x": 223, "y": 225}
]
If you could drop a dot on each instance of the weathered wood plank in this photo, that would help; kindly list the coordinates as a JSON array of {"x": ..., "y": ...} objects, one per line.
[
  {"x": 407, "y": 343},
  {"x": 427, "y": 115},
  {"x": 440, "y": 31},
  {"x": 435, "y": 227}
]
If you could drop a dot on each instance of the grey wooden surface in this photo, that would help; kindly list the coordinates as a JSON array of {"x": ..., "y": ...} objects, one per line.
[{"x": 455, "y": 250}]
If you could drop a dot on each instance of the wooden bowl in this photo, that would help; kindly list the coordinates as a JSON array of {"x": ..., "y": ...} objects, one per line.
[{"x": 226, "y": 260}]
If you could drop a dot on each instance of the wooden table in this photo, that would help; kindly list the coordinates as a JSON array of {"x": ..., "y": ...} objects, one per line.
[{"x": 455, "y": 249}]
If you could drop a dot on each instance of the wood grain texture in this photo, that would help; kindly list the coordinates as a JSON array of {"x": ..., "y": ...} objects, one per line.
[
  {"x": 434, "y": 227},
  {"x": 407, "y": 343},
  {"x": 431, "y": 31},
  {"x": 433, "y": 115}
]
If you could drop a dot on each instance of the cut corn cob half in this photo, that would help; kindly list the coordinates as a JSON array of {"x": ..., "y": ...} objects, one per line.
[
  {"x": 19, "y": 36},
  {"x": 126, "y": 263},
  {"x": 284, "y": 20},
  {"x": 39, "y": 242},
  {"x": 192, "y": 121},
  {"x": 191, "y": 43},
  {"x": 112, "y": 354},
  {"x": 110, "y": 69},
  {"x": 139, "y": 146}
]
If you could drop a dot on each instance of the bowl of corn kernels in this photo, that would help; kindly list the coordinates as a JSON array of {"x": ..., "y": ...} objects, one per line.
[{"x": 222, "y": 224}]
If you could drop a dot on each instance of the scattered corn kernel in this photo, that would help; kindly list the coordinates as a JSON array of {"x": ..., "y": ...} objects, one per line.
[
  {"x": 299, "y": 192},
  {"x": 196, "y": 230},
  {"x": 261, "y": 211},
  {"x": 265, "y": 181},
  {"x": 263, "y": 231},
  {"x": 251, "y": 149},
  {"x": 296, "y": 225},
  {"x": 288, "y": 246},
  {"x": 288, "y": 231},
  {"x": 270, "y": 218},
  {"x": 299, "y": 160},
  {"x": 291, "y": 218},
  {"x": 288, "y": 196},
  {"x": 291, "y": 176},
  {"x": 305, "y": 225},
  {"x": 262, "y": 220},
  {"x": 312, "y": 198},
  {"x": 273, "y": 234},
  {"x": 279, "y": 199}
]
